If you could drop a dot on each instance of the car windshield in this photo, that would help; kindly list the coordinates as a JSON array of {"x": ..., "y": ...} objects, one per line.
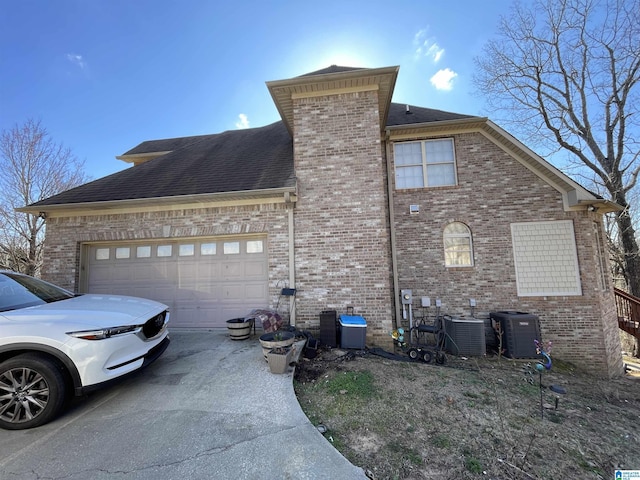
[{"x": 21, "y": 291}]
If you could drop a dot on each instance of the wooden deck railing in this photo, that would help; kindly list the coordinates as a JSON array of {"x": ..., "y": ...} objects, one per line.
[{"x": 628, "y": 308}]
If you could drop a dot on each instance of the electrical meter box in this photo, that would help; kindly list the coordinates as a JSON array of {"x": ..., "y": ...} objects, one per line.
[
  {"x": 406, "y": 296},
  {"x": 353, "y": 331}
]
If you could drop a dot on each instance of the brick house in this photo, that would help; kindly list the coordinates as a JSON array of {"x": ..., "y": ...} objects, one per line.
[{"x": 349, "y": 198}]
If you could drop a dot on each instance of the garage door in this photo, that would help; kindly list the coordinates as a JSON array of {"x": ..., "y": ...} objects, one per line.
[{"x": 205, "y": 282}]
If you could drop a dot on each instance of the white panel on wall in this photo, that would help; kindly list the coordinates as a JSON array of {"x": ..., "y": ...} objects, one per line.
[{"x": 546, "y": 258}]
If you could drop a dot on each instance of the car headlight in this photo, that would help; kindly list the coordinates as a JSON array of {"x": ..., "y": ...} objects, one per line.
[{"x": 105, "y": 332}]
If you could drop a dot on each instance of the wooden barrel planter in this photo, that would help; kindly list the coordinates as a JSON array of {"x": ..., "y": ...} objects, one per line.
[
  {"x": 239, "y": 328},
  {"x": 279, "y": 339}
]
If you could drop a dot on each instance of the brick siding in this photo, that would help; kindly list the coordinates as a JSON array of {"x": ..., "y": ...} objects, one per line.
[
  {"x": 341, "y": 218},
  {"x": 65, "y": 235},
  {"x": 342, "y": 234},
  {"x": 494, "y": 190}
]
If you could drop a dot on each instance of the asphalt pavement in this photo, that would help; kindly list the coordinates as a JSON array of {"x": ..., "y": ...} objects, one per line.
[{"x": 208, "y": 408}]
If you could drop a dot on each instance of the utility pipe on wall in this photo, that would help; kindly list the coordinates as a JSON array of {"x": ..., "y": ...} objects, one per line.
[
  {"x": 292, "y": 259},
  {"x": 392, "y": 230}
]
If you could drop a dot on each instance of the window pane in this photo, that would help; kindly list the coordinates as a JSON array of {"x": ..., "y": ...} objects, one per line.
[
  {"x": 102, "y": 254},
  {"x": 438, "y": 175},
  {"x": 456, "y": 228},
  {"x": 439, "y": 151},
  {"x": 409, "y": 177},
  {"x": 408, "y": 153},
  {"x": 254, "y": 246},
  {"x": 186, "y": 250},
  {"x": 231, "y": 248},
  {"x": 164, "y": 250},
  {"x": 208, "y": 249},
  {"x": 458, "y": 259},
  {"x": 143, "y": 252},
  {"x": 457, "y": 243},
  {"x": 123, "y": 252}
]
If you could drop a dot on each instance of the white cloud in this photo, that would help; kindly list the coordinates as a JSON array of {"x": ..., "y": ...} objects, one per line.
[
  {"x": 427, "y": 47},
  {"x": 77, "y": 60},
  {"x": 443, "y": 79},
  {"x": 243, "y": 121},
  {"x": 435, "y": 52}
]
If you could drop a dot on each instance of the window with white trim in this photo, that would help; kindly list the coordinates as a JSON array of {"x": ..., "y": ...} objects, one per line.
[
  {"x": 458, "y": 245},
  {"x": 123, "y": 252},
  {"x": 231, "y": 248},
  {"x": 186, "y": 250},
  {"x": 208, "y": 248},
  {"x": 255, "y": 246},
  {"x": 102, "y": 253},
  {"x": 428, "y": 163}
]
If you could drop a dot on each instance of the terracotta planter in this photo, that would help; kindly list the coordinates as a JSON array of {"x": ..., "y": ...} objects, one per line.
[
  {"x": 279, "y": 359},
  {"x": 239, "y": 328},
  {"x": 278, "y": 339}
]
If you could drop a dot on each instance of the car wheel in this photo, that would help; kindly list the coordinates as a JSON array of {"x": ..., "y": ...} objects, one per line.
[{"x": 32, "y": 391}]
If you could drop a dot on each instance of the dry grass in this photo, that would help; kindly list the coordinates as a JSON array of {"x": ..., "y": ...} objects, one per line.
[{"x": 471, "y": 418}]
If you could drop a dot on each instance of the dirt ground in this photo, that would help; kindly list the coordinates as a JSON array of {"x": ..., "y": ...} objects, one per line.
[{"x": 470, "y": 418}]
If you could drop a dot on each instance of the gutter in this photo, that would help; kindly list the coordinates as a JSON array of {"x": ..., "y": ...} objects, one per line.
[
  {"x": 392, "y": 232},
  {"x": 176, "y": 200},
  {"x": 292, "y": 259},
  {"x": 437, "y": 125}
]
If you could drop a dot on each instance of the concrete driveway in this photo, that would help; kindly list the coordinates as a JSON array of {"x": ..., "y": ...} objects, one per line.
[{"x": 207, "y": 409}]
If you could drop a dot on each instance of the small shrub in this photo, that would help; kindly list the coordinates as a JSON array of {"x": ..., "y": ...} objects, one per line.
[
  {"x": 473, "y": 465},
  {"x": 407, "y": 453},
  {"x": 441, "y": 441}
]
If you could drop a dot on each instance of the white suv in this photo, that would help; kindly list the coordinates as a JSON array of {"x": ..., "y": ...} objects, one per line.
[{"x": 54, "y": 344}]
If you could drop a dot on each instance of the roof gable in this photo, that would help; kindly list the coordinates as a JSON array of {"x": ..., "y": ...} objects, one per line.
[
  {"x": 331, "y": 69},
  {"x": 166, "y": 144},
  {"x": 332, "y": 81}
]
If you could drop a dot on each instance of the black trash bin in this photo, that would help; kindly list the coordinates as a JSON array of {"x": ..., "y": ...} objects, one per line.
[{"x": 328, "y": 327}]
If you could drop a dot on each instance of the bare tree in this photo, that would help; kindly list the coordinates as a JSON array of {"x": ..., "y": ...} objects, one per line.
[
  {"x": 32, "y": 168},
  {"x": 565, "y": 73}
]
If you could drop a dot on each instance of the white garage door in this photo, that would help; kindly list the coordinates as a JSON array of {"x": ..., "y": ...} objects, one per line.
[{"x": 204, "y": 282}]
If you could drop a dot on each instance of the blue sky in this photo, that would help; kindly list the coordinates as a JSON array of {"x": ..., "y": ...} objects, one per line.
[{"x": 104, "y": 75}]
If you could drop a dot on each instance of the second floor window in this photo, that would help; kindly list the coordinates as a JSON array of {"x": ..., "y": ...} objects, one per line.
[{"x": 429, "y": 163}]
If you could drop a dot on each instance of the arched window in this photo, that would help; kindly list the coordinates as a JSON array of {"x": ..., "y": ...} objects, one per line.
[{"x": 458, "y": 246}]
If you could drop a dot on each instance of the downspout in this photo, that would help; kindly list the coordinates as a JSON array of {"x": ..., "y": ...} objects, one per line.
[
  {"x": 292, "y": 258},
  {"x": 392, "y": 231}
]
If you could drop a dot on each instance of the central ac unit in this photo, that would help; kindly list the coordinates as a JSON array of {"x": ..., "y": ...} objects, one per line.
[
  {"x": 465, "y": 336},
  {"x": 519, "y": 330}
]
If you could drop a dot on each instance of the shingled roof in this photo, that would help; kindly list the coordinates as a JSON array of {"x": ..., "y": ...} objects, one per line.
[
  {"x": 233, "y": 161},
  {"x": 331, "y": 69},
  {"x": 408, "y": 114}
]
